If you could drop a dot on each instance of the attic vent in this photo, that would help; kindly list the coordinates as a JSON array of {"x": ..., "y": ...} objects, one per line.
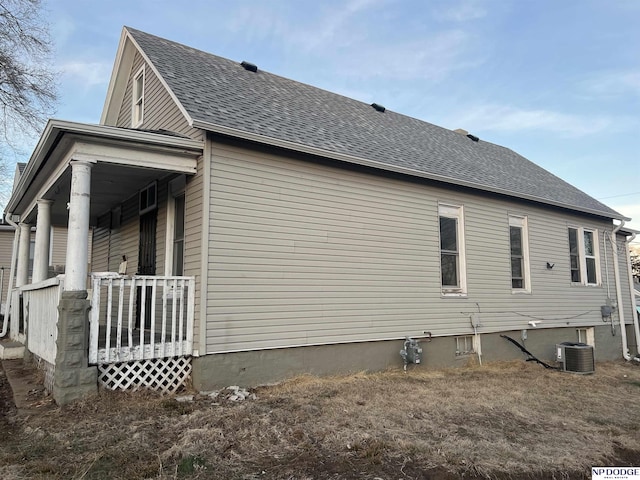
[
  {"x": 249, "y": 66},
  {"x": 379, "y": 108},
  {"x": 461, "y": 131},
  {"x": 473, "y": 137}
]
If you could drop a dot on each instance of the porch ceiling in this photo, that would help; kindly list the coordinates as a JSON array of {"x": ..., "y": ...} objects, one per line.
[
  {"x": 110, "y": 185},
  {"x": 124, "y": 161}
]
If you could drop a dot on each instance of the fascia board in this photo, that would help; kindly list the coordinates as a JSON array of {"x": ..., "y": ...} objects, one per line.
[{"x": 118, "y": 81}]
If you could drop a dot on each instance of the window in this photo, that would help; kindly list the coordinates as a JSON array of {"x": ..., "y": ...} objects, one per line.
[
  {"x": 464, "y": 346},
  {"x": 518, "y": 239},
  {"x": 148, "y": 198},
  {"x": 574, "y": 255},
  {"x": 452, "y": 260},
  {"x": 586, "y": 336},
  {"x": 178, "y": 236},
  {"x": 583, "y": 256},
  {"x": 590, "y": 257},
  {"x": 138, "y": 98},
  {"x": 175, "y": 239}
]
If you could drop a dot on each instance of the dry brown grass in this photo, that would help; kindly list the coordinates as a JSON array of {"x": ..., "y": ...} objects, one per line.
[{"x": 510, "y": 420}]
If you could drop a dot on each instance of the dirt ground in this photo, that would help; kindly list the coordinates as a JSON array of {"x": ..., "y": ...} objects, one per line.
[{"x": 503, "y": 421}]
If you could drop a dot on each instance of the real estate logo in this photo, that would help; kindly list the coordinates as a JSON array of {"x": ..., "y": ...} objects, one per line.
[{"x": 615, "y": 473}]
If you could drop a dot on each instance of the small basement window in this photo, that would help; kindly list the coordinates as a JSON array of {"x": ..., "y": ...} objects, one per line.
[
  {"x": 464, "y": 346},
  {"x": 586, "y": 336}
]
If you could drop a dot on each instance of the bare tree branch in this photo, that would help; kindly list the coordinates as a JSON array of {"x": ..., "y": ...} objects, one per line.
[{"x": 27, "y": 83}]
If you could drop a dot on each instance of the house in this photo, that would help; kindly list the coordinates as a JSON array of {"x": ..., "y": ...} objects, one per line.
[{"x": 247, "y": 227}]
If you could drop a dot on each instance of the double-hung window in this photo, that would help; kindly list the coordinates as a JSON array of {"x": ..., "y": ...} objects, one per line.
[
  {"x": 584, "y": 256},
  {"x": 518, "y": 239},
  {"x": 137, "y": 98},
  {"x": 452, "y": 258}
]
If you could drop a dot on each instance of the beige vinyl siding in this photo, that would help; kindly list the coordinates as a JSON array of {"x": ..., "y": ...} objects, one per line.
[
  {"x": 101, "y": 234},
  {"x": 160, "y": 111},
  {"x": 7, "y": 235},
  {"x": 58, "y": 246},
  {"x": 304, "y": 254}
]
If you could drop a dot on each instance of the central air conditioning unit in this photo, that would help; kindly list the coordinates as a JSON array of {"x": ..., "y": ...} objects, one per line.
[{"x": 576, "y": 357}]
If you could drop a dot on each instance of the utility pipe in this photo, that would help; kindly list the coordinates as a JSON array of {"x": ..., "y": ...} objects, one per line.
[
  {"x": 616, "y": 273},
  {"x": 14, "y": 259},
  {"x": 632, "y": 291}
]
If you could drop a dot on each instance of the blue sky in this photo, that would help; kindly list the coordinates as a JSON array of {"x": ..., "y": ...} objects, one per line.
[{"x": 556, "y": 81}]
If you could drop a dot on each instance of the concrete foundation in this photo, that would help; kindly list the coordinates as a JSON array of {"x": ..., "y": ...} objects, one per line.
[
  {"x": 267, "y": 366},
  {"x": 73, "y": 379}
]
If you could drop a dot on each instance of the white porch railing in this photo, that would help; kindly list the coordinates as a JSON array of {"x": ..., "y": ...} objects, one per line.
[
  {"x": 40, "y": 301},
  {"x": 140, "y": 317}
]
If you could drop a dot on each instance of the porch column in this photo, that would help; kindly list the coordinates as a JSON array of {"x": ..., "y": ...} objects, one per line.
[
  {"x": 78, "y": 233},
  {"x": 22, "y": 270},
  {"x": 43, "y": 239},
  {"x": 74, "y": 378}
]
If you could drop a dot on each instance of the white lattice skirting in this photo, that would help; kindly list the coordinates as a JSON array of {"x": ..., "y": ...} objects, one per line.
[{"x": 166, "y": 375}]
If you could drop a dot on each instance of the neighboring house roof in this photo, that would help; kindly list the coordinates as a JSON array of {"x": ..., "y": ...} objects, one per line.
[{"x": 219, "y": 95}]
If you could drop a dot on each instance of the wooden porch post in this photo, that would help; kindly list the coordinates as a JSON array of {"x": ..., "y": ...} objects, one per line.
[
  {"x": 22, "y": 271},
  {"x": 78, "y": 232},
  {"x": 43, "y": 239},
  {"x": 74, "y": 378}
]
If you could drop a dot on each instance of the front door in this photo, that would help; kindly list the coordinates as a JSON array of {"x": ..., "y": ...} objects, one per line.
[{"x": 146, "y": 263}]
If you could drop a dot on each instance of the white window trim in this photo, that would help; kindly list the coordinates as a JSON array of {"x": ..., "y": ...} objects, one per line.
[
  {"x": 457, "y": 212},
  {"x": 137, "y": 103},
  {"x": 584, "y": 279},
  {"x": 588, "y": 333},
  {"x": 522, "y": 222},
  {"x": 177, "y": 187}
]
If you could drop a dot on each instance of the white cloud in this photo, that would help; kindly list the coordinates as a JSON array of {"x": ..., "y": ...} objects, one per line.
[
  {"x": 511, "y": 119},
  {"x": 86, "y": 74},
  {"x": 631, "y": 210},
  {"x": 462, "y": 12},
  {"x": 614, "y": 84}
]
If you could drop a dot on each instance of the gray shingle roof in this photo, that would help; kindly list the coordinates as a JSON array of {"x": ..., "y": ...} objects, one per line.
[{"x": 219, "y": 92}]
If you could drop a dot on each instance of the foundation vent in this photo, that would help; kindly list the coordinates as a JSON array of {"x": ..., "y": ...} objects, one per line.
[{"x": 576, "y": 357}]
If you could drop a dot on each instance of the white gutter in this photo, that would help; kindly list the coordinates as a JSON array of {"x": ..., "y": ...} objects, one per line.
[
  {"x": 14, "y": 258},
  {"x": 634, "y": 311},
  {"x": 616, "y": 275}
]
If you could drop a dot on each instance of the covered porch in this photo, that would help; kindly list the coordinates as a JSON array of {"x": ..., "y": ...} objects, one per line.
[{"x": 124, "y": 324}]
